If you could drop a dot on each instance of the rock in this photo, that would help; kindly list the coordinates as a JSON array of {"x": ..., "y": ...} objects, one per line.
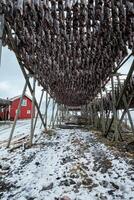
[
  {"x": 66, "y": 160},
  {"x": 104, "y": 170},
  {"x": 49, "y": 187},
  {"x": 30, "y": 198},
  {"x": 94, "y": 185},
  {"x": 64, "y": 176},
  {"x": 111, "y": 192},
  {"x": 58, "y": 178},
  {"x": 114, "y": 185},
  {"x": 85, "y": 167},
  {"x": 102, "y": 197},
  {"x": 37, "y": 163},
  {"x": 1, "y": 194},
  {"x": 87, "y": 181},
  {"x": 104, "y": 183},
  {"x": 74, "y": 176},
  {"x": 72, "y": 182},
  {"x": 67, "y": 182}
]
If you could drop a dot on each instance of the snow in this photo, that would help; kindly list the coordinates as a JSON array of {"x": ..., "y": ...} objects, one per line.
[
  {"x": 22, "y": 128},
  {"x": 71, "y": 163}
]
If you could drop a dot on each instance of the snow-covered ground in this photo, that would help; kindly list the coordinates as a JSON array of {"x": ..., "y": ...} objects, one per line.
[
  {"x": 22, "y": 128},
  {"x": 68, "y": 163}
]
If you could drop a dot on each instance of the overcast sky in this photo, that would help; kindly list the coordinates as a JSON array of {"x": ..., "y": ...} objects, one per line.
[{"x": 11, "y": 78}]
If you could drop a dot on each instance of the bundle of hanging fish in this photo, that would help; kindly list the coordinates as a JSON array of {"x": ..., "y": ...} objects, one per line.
[
  {"x": 107, "y": 100},
  {"x": 72, "y": 46}
]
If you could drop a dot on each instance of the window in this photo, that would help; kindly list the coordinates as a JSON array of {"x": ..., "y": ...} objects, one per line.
[
  {"x": 24, "y": 102},
  {"x": 28, "y": 111}
]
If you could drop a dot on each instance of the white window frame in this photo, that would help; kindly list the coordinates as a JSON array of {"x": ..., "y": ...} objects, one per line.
[
  {"x": 24, "y": 102},
  {"x": 28, "y": 112}
]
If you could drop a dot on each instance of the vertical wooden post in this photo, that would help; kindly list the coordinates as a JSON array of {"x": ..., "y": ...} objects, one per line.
[
  {"x": 91, "y": 114},
  {"x": 102, "y": 114},
  {"x": 116, "y": 132},
  {"x": 95, "y": 117},
  {"x": 16, "y": 116},
  {"x": 53, "y": 113},
  {"x": 32, "y": 112},
  {"x": 1, "y": 33},
  {"x": 60, "y": 114},
  {"x": 56, "y": 115},
  {"x": 39, "y": 108},
  {"x": 46, "y": 110}
]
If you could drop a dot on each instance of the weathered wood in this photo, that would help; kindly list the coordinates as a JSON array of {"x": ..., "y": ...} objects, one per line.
[
  {"x": 41, "y": 98},
  {"x": 32, "y": 113},
  {"x": 1, "y": 32},
  {"x": 74, "y": 44},
  {"x": 16, "y": 116}
]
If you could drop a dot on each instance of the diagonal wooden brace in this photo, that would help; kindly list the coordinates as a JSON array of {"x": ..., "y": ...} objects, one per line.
[{"x": 16, "y": 116}]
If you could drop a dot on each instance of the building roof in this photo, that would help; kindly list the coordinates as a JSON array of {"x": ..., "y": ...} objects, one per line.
[
  {"x": 4, "y": 102},
  {"x": 19, "y": 96}
]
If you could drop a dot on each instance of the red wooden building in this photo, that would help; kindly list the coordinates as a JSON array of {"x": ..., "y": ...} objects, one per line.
[{"x": 25, "y": 111}]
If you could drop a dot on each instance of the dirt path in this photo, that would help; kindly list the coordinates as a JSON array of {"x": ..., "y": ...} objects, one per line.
[{"x": 71, "y": 163}]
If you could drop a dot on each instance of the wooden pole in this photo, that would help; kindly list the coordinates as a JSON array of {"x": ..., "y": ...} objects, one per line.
[
  {"x": 46, "y": 110},
  {"x": 52, "y": 117},
  {"x": 102, "y": 114},
  {"x": 1, "y": 33},
  {"x": 32, "y": 112},
  {"x": 56, "y": 115},
  {"x": 53, "y": 113},
  {"x": 42, "y": 94},
  {"x": 16, "y": 116},
  {"x": 116, "y": 131},
  {"x": 46, "y": 106}
]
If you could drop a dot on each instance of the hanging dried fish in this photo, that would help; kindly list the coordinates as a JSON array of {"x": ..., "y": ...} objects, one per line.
[{"x": 75, "y": 44}]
